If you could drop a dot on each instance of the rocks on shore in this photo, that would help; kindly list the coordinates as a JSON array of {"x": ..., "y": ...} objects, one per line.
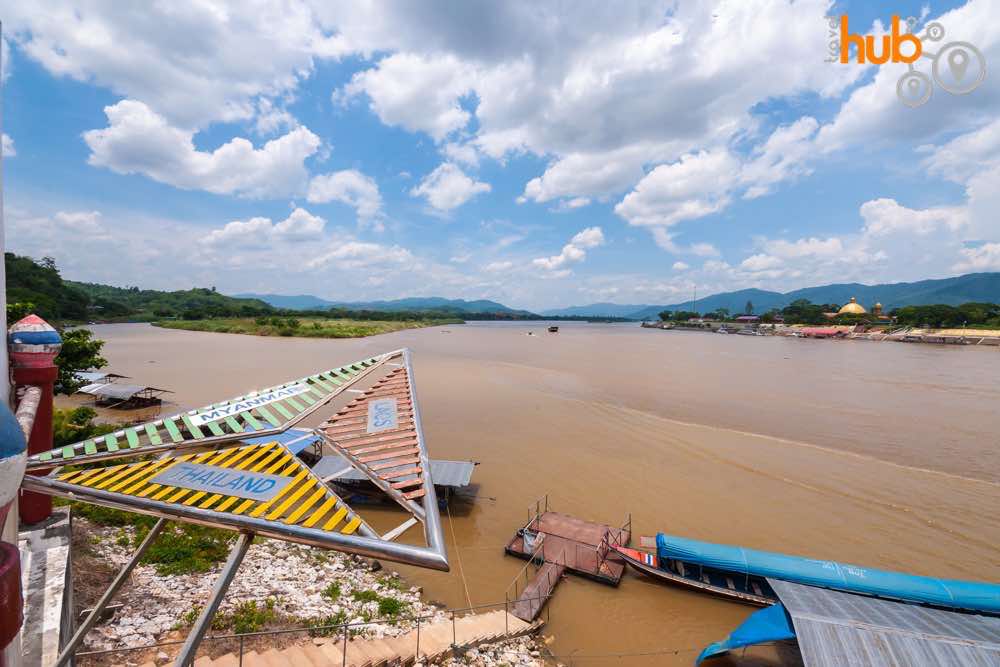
[{"x": 295, "y": 577}]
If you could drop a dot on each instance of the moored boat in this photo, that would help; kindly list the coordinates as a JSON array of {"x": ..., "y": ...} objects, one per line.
[
  {"x": 748, "y": 590},
  {"x": 742, "y": 574},
  {"x": 553, "y": 329}
]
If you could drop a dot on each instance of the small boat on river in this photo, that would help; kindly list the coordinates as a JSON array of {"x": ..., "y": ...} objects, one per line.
[
  {"x": 553, "y": 329},
  {"x": 742, "y": 575}
]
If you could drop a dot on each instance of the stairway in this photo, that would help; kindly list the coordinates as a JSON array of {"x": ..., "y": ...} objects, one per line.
[
  {"x": 537, "y": 593},
  {"x": 436, "y": 642}
]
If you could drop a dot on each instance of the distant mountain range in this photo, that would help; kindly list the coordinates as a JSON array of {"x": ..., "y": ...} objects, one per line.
[
  {"x": 309, "y": 302},
  {"x": 950, "y": 291}
]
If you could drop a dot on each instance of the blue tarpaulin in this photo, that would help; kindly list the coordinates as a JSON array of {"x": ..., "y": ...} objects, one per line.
[
  {"x": 294, "y": 439},
  {"x": 766, "y": 625},
  {"x": 970, "y": 595}
]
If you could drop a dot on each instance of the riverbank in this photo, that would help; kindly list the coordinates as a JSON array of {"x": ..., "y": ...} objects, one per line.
[
  {"x": 858, "y": 453},
  {"x": 306, "y": 327},
  {"x": 280, "y": 586}
]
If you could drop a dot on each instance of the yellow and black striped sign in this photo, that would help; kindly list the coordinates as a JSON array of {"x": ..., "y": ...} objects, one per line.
[{"x": 262, "y": 481}]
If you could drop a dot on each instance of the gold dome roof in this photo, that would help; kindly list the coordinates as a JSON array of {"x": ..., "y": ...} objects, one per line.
[{"x": 852, "y": 308}]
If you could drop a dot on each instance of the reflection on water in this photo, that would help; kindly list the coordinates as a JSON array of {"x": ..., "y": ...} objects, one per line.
[{"x": 698, "y": 435}]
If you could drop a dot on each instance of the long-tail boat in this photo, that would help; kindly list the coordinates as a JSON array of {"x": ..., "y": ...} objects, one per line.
[{"x": 742, "y": 574}]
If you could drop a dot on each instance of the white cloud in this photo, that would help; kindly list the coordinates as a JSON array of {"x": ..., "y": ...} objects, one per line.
[
  {"x": 985, "y": 257},
  {"x": 138, "y": 140},
  {"x": 782, "y": 157},
  {"x": 8, "y": 146},
  {"x": 694, "y": 186},
  {"x": 681, "y": 266},
  {"x": 193, "y": 63},
  {"x": 419, "y": 93},
  {"x": 574, "y": 251},
  {"x": 498, "y": 267},
  {"x": 886, "y": 216},
  {"x": 354, "y": 254},
  {"x": 464, "y": 153},
  {"x": 349, "y": 187},
  {"x": 260, "y": 232},
  {"x": 447, "y": 187}
]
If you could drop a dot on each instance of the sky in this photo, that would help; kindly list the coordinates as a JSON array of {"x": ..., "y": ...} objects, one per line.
[{"x": 540, "y": 154}]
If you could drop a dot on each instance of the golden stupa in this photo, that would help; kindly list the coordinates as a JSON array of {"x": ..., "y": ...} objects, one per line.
[{"x": 852, "y": 308}]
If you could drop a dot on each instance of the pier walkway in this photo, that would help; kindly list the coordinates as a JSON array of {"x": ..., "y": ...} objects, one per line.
[{"x": 563, "y": 544}]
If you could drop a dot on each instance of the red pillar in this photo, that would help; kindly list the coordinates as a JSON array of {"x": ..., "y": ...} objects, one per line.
[{"x": 34, "y": 507}]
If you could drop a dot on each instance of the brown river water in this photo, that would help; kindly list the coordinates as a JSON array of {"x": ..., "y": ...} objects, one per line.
[{"x": 880, "y": 454}]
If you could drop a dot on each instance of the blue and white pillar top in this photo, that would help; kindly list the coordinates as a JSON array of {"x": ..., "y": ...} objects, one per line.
[{"x": 33, "y": 342}]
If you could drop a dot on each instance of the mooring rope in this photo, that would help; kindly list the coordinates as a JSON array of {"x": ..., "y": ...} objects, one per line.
[{"x": 458, "y": 553}]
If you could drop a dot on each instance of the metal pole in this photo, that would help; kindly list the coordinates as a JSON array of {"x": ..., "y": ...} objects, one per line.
[
  {"x": 345, "y": 645},
  {"x": 418, "y": 639},
  {"x": 204, "y": 622},
  {"x": 454, "y": 631},
  {"x": 241, "y": 650},
  {"x": 70, "y": 648},
  {"x": 506, "y": 615}
]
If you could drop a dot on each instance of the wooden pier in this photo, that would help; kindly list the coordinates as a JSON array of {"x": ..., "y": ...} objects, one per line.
[{"x": 561, "y": 544}]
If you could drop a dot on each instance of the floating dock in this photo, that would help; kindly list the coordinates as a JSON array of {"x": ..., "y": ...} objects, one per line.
[{"x": 562, "y": 544}]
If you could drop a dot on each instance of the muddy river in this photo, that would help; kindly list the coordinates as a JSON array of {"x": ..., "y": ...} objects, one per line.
[{"x": 880, "y": 454}]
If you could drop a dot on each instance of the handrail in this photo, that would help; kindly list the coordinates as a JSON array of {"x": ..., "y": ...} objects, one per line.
[
  {"x": 310, "y": 629},
  {"x": 27, "y": 409}
]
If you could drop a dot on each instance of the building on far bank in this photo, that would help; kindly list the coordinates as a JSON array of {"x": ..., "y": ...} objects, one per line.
[{"x": 852, "y": 308}]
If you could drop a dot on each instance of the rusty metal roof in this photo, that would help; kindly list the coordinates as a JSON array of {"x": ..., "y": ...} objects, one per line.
[{"x": 836, "y": 629}]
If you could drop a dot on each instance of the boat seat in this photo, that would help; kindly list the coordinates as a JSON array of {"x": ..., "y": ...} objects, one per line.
[
  {"x": 756, "y": 588},
  {"x": 730, "y": 584}
]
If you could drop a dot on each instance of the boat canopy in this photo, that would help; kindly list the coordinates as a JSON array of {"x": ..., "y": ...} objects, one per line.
[{"x": 952, "y": 593}]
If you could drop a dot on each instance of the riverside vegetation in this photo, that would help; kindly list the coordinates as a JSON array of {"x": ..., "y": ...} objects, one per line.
[{"x": 307, "y": 327}]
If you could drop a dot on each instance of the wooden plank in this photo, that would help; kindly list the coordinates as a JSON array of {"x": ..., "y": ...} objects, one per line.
[
  {"x": 384, "y": 457},
  {"x": 132, "y": 437},
  {"x": 416, "y": 470},
  {"x": 266, "y": 414},
  {"x": 214, "y": 428},
  {"x": 154, "y": 435},
  {"x": 192, "y": 429},
  {"x": 416, "y": 481},
  {"x": 172, "y": 429},
  {"x": 111, "y": 442},
  {"x": 419, "y": 493},
  {"x": 233, "y": 424},
  {"x": 249, "y": 419},
  {"x": 395, "y": 462}
]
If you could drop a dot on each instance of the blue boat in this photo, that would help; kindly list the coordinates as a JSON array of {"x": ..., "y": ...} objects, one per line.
[{"x": 741, "y": 574}]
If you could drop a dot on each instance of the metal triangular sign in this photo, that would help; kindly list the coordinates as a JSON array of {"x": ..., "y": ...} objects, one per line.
[
  {"x": 264, "y": 412},
  {"x": 232, "y": 477}
]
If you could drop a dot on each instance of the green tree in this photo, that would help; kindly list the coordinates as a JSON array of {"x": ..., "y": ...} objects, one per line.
[
  {"x": 80, "y": 352},
  {"x": 664, "y": 315},
  {"x": 19, "y": 310},
  {"x": 748, "y": 309},
  {"x": 69, "y": 426}
]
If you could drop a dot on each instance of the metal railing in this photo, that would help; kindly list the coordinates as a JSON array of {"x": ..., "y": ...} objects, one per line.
[
  {"x": 342, "y": 630},
  {"x": 27, "y": 408}
]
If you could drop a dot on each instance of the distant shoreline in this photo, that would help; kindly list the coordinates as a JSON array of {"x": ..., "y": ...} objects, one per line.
[{"x": 303, "y": 327}]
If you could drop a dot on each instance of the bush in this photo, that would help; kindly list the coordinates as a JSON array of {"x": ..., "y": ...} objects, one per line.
[
  {"x": 323, "y": 621},
  {"x": 332, "y": 592},
  {"x": 391, "y": 606},
  {"x": 365, "y": 596},
  {"x": 186, "y": 548}
]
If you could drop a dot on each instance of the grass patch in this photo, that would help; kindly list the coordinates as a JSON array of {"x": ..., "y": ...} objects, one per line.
[
  {"x": 365, "y": 596},
  {"x": 332, "y": 592},
  {"x": 179, "y": 549},
  {"x": 303, "y": 328},
  {"x": 391, "y": 607},
  {"x": 391, "y": 582},
  {"x": 318, "y": 625}
]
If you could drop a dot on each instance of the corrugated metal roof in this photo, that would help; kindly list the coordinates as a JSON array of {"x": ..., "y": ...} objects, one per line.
[
  {"x": 836, "y": 629},
  {"x": 294, "y": 439},
  {"x": 444, "y": 473},
  {"x": 120, "y": 391}
]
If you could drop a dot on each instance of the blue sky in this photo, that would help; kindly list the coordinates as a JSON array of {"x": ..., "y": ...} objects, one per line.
[{"x": 509, "y": 151}]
